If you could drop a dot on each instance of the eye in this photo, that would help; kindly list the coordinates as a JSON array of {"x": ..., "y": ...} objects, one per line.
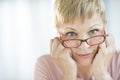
[
  {"x": 71, "y": 34},
  {"x": 94, "y": 31}
]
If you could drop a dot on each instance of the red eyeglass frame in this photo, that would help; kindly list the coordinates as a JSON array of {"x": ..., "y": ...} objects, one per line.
[{"x": 85, "y": 40}]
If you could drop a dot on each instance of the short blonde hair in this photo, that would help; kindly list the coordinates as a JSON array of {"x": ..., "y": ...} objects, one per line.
[{"x": 67, "y": 10}]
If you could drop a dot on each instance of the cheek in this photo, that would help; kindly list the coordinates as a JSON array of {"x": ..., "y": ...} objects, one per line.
[
  {"x": 90, "y": 49},
  {"x": 95, "y": 48}
]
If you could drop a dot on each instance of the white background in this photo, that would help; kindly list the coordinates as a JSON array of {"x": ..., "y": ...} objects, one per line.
[{"x": 26, "y": 27}]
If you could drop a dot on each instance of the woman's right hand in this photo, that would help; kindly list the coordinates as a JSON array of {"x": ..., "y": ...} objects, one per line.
[{"x": 63, "y": 58}]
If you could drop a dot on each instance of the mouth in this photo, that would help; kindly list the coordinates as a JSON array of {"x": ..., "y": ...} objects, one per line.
[{"x": 85, "y": 55}]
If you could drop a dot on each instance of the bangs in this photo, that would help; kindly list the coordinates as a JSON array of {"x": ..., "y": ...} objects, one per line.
[{"x": 67, "y": 10}]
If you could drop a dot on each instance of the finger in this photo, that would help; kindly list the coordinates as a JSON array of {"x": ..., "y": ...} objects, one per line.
[
  {"x": 107, "y": 41},
  {"x": 55, "y": 46},
  {"x": 111, "y": 41},
  {"x": 110, "y": 44},
  {"x": 57, "y": 40},
  {"x": 102, "y": 47},
  {"x": 60, "y": 47},
  {"x": 66, "y": 51}
]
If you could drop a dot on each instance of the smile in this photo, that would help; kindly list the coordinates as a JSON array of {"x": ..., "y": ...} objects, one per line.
[{"x": 86, "y": 55}]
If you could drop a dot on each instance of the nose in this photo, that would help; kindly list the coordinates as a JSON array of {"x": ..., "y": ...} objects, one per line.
[{"x": 84, "y": 45}]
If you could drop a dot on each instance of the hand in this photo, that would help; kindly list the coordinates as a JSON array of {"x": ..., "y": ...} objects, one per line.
[
  {"x": 63, "y": 58},
  {"x": 102, "y": 59}
]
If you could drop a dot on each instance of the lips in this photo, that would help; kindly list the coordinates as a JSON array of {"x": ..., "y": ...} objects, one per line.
[{"x": 85, "y": 55}]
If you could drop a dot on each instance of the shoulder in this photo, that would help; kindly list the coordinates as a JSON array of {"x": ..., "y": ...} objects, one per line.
[
  {"x": 115, "y": 65},
  {"x": 45, "y": 60},
  {"x": 46, "y": 67},
  {"x": 116, "y": 58}
]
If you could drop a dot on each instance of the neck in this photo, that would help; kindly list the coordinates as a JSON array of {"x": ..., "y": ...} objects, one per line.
[{"x": 84, "y": 71}]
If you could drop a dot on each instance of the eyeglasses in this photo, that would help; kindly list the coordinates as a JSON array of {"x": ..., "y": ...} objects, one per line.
[{"x": 74, "y": 43}]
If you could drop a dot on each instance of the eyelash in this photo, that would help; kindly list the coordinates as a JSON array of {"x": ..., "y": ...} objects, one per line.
[
  {"x": 71, "y": 34},
  {"x": 92, "y": 31}
]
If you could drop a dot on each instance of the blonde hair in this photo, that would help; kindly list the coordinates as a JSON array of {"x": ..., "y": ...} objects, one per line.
[{"x": 67, "y": 10}]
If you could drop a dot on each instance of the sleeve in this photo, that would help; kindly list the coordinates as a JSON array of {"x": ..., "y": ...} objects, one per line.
[
  {"x": 116, "y": 66},
  {"x": 41, "y": 71}
]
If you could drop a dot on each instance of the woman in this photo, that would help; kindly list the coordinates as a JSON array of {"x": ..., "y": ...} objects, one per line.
[{"x": 83, "y": 49}]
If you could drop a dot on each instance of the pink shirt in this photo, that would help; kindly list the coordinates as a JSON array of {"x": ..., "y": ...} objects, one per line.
[{"x": 47, "y": 69}]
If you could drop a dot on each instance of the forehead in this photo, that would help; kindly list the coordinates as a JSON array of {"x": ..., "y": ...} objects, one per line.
[{"x": 78, "y": 24}]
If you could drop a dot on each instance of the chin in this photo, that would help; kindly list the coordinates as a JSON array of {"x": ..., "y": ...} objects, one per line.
[{"x": 84, "y": 60}]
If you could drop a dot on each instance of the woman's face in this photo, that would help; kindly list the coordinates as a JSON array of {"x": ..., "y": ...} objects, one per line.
[{"x": 85, "y": 53}]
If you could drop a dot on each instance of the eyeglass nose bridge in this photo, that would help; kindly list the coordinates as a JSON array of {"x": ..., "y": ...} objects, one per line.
[{"x": 83, "y": 41}]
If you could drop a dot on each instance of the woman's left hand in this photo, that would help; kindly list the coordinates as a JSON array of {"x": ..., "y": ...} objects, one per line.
[{"x": 102, "y": 59}]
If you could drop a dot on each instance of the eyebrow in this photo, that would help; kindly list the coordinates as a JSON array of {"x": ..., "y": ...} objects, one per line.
[
  {"x": 76, "y": 29},
  {"x": 94, "y": 25},
  {"x": 70, "y": 28}
]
